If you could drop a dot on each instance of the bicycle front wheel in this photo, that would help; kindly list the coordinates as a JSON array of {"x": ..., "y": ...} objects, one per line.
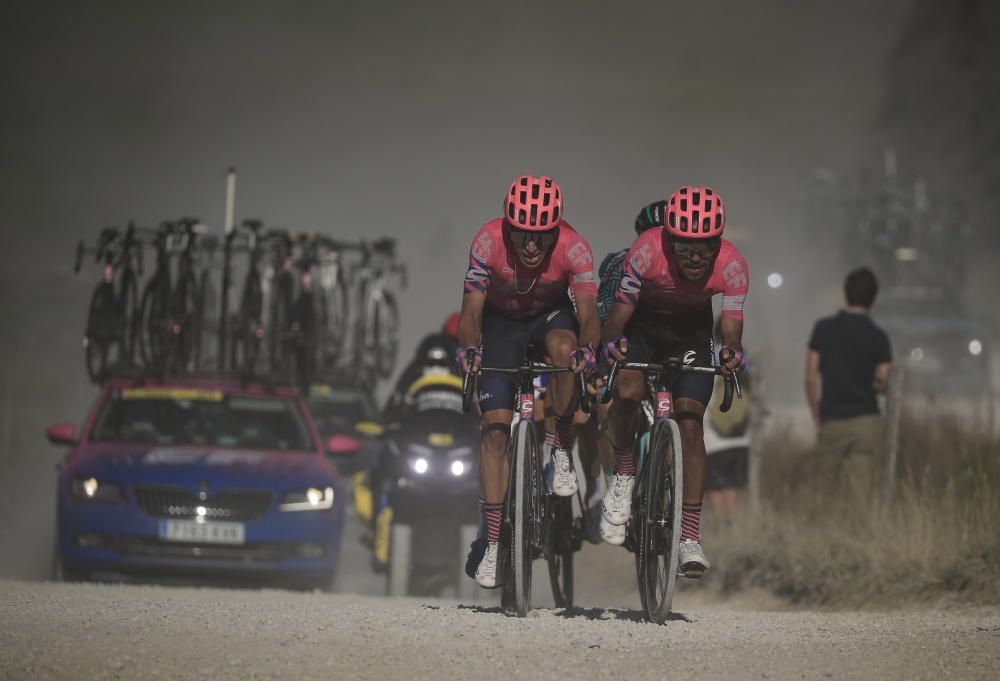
[
  {"x": 523, "y": 511},
  {"x": 660, "y": 521}
]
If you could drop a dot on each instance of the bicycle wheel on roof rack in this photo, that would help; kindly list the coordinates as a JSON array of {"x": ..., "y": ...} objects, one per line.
[
  {"x": 384, "y": 332},
  {"x": 279, "y": 349},
  {"x": 126, "y": 314},
  {"x": 185, "y": 328},
  {"x": 249, "y": 330},
  {"x": 153, "y": 323},
  {"x": 305, "y": 340},
  {"x": 100, "y": 332}
]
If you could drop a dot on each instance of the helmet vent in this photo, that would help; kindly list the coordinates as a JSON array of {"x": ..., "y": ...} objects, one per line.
[
  {"x": 696, "y": 199},
  {"x": 534, "y": 214},
  {"x": 534, "y": 190},
  {"x": 545, "y": 219}
]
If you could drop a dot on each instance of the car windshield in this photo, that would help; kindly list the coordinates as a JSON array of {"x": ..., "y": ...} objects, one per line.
[
  {"x": 201, "y": 417},
  {"x": 338, "y": 416}
]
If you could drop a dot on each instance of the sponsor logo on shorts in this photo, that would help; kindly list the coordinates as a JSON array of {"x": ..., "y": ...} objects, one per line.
[
  {"x": 485, "y": 396},
  {"x": 552, "y": 315},
  {"x": 689, "y": 357},
  {"x": 663, "y": 403}
]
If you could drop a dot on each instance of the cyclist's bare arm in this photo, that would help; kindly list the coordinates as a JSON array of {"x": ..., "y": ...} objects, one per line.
[
  {"x": 614, "y": 327},
  {"x": 590, "y": 323},
  {"x": 731, "y": 332},
  {"x": 470, "y": 320},
  {"x": 881, "y": 380},
  {"x": 812, "y": 384}
]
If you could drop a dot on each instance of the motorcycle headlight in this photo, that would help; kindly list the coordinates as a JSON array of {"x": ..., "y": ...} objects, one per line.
[
  {"x": 311, "y": 499},
  {"x": 92, "y": 489},
  {"x": 420, "y": 465}
]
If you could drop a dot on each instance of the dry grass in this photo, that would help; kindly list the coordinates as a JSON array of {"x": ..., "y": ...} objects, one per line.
[{"x": 939, "y": 540}]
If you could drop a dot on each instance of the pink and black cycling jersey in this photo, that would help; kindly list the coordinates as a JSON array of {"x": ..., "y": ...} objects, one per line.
[
  {"x": 651, "y": 282},
  {"x": 519, "y": 293}
]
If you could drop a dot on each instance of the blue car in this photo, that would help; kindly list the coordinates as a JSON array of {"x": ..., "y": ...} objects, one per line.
[{"x": 199, "y": 477}]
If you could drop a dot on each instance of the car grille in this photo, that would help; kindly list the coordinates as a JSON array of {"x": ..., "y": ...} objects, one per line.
[{"x": 177, "y": 502}]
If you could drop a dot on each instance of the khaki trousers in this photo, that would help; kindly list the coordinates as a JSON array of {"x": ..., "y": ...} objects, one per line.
[{"x": 850, "y": 451}]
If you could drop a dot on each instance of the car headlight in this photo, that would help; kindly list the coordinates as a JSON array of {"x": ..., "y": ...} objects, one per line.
[
  {"x": 975, "y": 347},
  {"x": 311, "y": 499},
  {"x": 92, "y": 489},
  {"x": 420, "y": 465}
]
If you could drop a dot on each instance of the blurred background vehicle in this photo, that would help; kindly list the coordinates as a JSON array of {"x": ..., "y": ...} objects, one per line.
[{"x": 198, "y": 477}]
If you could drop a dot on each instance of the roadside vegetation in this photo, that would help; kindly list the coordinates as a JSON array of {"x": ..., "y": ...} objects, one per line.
[{"x": 938, "y": 541}]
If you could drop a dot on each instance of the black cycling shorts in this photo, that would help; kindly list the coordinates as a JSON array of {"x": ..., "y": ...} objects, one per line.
[
  {"x": 727, "y": 469},
  {"x": 655, "y": 337},
  {"x": 505, "y": 340}
]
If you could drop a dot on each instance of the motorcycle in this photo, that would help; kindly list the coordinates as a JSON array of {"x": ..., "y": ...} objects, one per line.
[{"x": 426, "y": 489}]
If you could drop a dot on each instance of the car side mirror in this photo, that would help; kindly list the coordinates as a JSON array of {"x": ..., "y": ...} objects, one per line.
[
  {"x": 340, "y": 445},
  {"x": 61, "y": 434},
  {"x": 368, "y": 428}
]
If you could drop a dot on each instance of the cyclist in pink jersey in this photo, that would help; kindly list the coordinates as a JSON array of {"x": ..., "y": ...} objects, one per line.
[
  {"x": 521, "y": 269},
  {"x": 663, "y": 308}
]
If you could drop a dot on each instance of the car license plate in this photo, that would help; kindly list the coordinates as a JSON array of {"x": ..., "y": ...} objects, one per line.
[{"x": 206, "y": 532}]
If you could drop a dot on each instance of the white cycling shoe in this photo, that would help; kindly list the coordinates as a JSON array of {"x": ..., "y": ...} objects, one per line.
[
  {"x": 486, "y": 573},
  {"x": 618, "y": 500},
  {"x": 612, "y": 534},
  {"x": 692, "y": 562},
  {"x": 562, "y": 477}
]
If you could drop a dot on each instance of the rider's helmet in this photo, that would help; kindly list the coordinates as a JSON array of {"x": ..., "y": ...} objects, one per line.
[
  {"x": 650, "y": 216},
  {"x": 533, "y": 203},
  {"x": 695, "y": 213},
  {"x": 450, "y": 327}
]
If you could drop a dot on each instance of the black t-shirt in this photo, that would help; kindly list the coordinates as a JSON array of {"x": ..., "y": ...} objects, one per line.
[{"x": 849, "y": 346}]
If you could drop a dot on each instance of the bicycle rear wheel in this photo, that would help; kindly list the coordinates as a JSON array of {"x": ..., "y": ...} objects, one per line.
[
  {"x": 336, "y": 322},
  {"x": 153, "y": 324},
  {"x": 523, "y": 509},
  {"x": 559, "y": 551},
  {"x": 660, "y": 521}
]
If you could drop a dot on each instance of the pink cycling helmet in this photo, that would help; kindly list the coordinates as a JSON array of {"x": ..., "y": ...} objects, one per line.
[
  {"x": 695, "y": 213},
  {"x": 533, "y": 203}
]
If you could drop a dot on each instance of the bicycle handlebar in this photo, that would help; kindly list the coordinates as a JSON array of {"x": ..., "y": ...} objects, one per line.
[
  {"x": 531, "y": 369},
  {"x": 674, "y": 364}
]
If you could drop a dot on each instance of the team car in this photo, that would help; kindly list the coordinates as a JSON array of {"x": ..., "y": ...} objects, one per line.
[{"x": 199, "y": 477}]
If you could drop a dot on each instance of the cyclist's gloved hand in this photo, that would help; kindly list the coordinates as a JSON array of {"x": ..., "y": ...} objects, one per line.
[
  {"x": 462, "y": 359},
  {"x": 616, "y": 349},
  {"x": 585, "y": 359},
  {"x": 732, "y": 360}
]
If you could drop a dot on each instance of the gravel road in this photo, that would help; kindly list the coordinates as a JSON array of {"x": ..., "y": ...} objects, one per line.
[{"x": 97, "y": 631}]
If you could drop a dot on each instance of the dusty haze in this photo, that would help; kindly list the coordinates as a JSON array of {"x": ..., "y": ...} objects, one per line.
[{"x": 407, "y": 120}]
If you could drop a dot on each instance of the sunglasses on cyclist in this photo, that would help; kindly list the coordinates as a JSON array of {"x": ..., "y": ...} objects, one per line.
[
  {"x": 686, "y": 248},
  {"x": 522, "y": 237}
]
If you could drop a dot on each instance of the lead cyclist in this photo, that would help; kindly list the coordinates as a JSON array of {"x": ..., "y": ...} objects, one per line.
[
  {"x": 663, "y": 308},
  {"x": 521, "y": 267}
]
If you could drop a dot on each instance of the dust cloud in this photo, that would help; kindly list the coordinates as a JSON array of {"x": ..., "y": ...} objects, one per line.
[{"x": 406, "y": 120}]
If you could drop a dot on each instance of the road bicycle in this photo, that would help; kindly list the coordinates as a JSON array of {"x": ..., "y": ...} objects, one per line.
[
  {"x": 535, "y": 523},
  {"x": 170, "y": 312},
  {"x": 112, "y": 310},
  {"x": 653, "y": 532},
  {"x": 247, "y": 327},
  {"x": 376, "y": 326},
  {"x": 298, "y": 308}
]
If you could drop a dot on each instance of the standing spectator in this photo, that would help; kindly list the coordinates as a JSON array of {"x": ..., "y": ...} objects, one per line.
[{"x": 850, "y": 356}]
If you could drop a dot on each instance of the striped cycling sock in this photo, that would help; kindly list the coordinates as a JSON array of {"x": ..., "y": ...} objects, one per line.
[
  {"x": 624, "y": 463},
  {"x": 492, "y": 515},
  {"x": 550, "y": 441},
  {"x": 691, "y": 522},
  {"x": 564, "y": 432}
]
